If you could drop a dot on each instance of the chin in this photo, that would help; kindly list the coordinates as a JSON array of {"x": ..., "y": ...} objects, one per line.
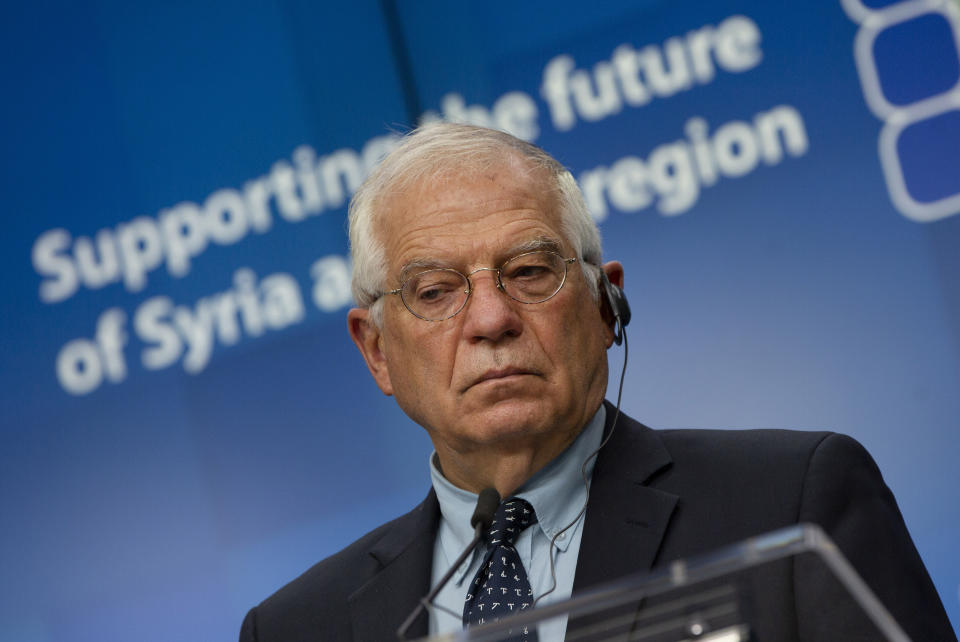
[{"x": 510, "y": 419}]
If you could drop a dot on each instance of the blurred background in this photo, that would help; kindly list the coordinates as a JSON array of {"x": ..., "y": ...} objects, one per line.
[{"x": 184, "y": 423}]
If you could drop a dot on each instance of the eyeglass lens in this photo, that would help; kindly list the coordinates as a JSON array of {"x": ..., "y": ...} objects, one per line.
[{"x": 438, "y": 294}]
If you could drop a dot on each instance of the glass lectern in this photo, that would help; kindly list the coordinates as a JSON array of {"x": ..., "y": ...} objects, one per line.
[{"x": 788, "y": 584}]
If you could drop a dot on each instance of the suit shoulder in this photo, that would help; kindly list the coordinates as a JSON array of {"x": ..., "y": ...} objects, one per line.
[
  {"x": 316, "y": 600},
  {"x": 756, "y": 478},
  {"x": 749, "y": 447},
  {"x": 331, "y": 573},
  {"x": 794, "y": 460}
]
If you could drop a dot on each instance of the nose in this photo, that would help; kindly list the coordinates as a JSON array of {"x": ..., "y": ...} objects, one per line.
[{"x": 490, "y": 314}]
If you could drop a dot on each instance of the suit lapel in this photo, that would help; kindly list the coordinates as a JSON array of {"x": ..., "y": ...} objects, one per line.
[
  {"x": 405, "y": 558},
  {"x": 626, "y": 520},
  {"x": 625, "y": 525}
]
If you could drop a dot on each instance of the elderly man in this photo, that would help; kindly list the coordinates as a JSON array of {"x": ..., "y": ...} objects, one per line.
[{"x": 485, "y": 311}]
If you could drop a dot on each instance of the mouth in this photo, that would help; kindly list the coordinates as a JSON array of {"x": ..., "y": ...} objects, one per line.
[{"x": 501, "y": 374}]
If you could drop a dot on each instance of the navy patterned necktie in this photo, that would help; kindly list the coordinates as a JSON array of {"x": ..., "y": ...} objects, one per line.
[{"x": 501, "y": 586}]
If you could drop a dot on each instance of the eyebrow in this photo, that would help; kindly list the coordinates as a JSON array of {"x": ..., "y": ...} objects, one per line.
[{"x": 539, "y": 244}]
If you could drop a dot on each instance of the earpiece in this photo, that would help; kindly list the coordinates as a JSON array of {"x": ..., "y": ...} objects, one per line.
[
  {"x": 618, "y": 306},
  {"x": 620, "y": 310}
]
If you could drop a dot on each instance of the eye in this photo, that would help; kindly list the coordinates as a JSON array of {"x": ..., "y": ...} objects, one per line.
[
  {"x": 433, "y": 293},
  {"x": 530, "y": 267},
  {"x": 528, "y": 272},
  {"x": 435, "y": 287}
]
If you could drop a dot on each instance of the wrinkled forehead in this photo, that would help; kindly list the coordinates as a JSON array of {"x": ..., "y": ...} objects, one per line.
[
  {"x": 504, "y": 252},
  {"x": 453, "y": 200},
  {"x": 428, "y": 179}
]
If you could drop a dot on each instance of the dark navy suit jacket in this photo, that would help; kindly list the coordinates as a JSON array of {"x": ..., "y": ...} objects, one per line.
[{"x": 656, "y": 496}]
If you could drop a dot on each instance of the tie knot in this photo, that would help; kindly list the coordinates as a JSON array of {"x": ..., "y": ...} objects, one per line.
[{"x": 512, "y": 516}]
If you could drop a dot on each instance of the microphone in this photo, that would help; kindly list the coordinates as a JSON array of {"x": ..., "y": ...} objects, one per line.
[{"x": 487, "y": 504}]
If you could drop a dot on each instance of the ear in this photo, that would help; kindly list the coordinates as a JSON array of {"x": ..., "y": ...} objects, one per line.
[
  {"x": 614, "y": 272},
  {"x": 369, "y": 340}
]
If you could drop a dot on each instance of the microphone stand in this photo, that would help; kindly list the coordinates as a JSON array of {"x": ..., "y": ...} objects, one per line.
[{"x": 487, "y": 504}]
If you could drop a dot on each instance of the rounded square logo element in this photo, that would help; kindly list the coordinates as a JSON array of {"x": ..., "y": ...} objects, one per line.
[
  {"x": 928, "y": 150},
  {"x": 919, "y": 160},
  {"x": 878, "y": 4},
  {"x": 917, "y": 59}
]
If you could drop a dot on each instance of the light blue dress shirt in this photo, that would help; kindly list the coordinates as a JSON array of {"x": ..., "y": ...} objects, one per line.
[{"x": 557, "y": 494}]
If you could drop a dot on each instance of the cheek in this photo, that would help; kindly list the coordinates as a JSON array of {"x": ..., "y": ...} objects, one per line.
[
  {"x": 583, "y": 341},
  {"x": 419, "y": 357}
]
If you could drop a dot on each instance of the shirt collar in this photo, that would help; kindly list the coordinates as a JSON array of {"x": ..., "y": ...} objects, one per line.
[{"x": 557, "y": 492}]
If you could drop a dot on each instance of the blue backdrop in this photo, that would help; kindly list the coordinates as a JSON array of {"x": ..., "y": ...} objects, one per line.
[{"x": 185, "y": 423}]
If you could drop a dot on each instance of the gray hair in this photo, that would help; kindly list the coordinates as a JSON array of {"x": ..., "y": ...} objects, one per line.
[{"x": 441, "y": 150}]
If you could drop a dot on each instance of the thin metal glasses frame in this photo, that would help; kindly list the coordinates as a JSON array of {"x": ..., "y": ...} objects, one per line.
[{"x": 469, "y": 291}]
